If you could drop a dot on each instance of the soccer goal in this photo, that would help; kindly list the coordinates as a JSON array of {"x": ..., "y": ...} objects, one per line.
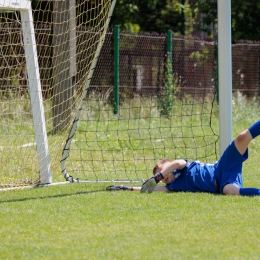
[
  {"x": 79, "y": 103},
  {"x": 48, "y": 54}
]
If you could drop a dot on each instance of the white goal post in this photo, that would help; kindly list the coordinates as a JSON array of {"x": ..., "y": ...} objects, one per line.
[
  {"x": 32, "y": 66},
  {"x": 225, "y": 73}
]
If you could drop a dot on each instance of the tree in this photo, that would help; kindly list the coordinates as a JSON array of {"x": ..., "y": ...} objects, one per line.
[
  {"x": 153, "y": 15},
  {"x": 161, "y": 15},
  {"x": 244, "y": 18}
]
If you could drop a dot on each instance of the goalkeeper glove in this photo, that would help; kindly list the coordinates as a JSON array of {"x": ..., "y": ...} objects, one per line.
[{"x": 150, "y": 184}]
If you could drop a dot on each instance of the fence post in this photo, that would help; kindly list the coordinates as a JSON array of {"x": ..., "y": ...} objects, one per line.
[
  {"x": 169, "y": 46},
  {"x": 183, "y": 28},
  {"x": 168, "y": 89},
  {"x": 116, "y": 69},
  {"x": 169, "y": 82}
]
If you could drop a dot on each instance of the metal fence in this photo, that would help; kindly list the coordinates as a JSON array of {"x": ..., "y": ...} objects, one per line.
[{"x": 143, "y": 62}]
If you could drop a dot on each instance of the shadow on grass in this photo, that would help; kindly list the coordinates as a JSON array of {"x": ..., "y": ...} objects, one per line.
[{"x": 50, "y": 196}]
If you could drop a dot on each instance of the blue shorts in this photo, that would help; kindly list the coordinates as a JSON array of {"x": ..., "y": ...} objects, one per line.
[{"x": 229, "y": 168}]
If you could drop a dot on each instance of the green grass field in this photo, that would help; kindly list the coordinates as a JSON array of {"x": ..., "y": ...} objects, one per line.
[{"x": 83, "y": 221}]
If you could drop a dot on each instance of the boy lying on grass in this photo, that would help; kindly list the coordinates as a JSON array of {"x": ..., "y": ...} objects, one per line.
[{"x": 224, "y": 176}]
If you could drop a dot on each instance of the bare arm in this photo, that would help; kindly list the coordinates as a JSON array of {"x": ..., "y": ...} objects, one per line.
[
  {"x": 170, "y": 167},
  {"x": 150, "y": 185}
]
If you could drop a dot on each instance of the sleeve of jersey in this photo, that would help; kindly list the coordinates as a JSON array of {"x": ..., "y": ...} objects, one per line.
[{"x": 177, "y": 174}]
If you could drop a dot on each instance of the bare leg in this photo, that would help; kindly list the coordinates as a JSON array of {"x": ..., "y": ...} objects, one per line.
[
  {"x": 231, "y": 189},
  {"x": 242, "y": 141}
]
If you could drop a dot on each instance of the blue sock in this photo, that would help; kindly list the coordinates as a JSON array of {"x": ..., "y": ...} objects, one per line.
[
  {"x": 255, "y": 129},
  {"x": 249, "y": 192}
]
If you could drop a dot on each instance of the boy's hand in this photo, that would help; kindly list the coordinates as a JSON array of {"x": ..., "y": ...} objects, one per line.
[{"x": 149, "y": 185}]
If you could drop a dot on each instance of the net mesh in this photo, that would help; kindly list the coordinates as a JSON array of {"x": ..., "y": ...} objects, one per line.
[{"x": 167, "y": 108}]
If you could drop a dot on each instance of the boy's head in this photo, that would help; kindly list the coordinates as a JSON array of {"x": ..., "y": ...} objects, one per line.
[{"x": 159, "y": 166}]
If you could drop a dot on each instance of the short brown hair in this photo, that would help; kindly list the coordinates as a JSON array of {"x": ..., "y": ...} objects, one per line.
[{"x": 157, "y": 165}]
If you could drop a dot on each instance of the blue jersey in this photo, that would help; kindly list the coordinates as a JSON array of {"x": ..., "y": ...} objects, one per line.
[
  {"x": 200, "y": 177},
  {"x": 194, "y": 177}
]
